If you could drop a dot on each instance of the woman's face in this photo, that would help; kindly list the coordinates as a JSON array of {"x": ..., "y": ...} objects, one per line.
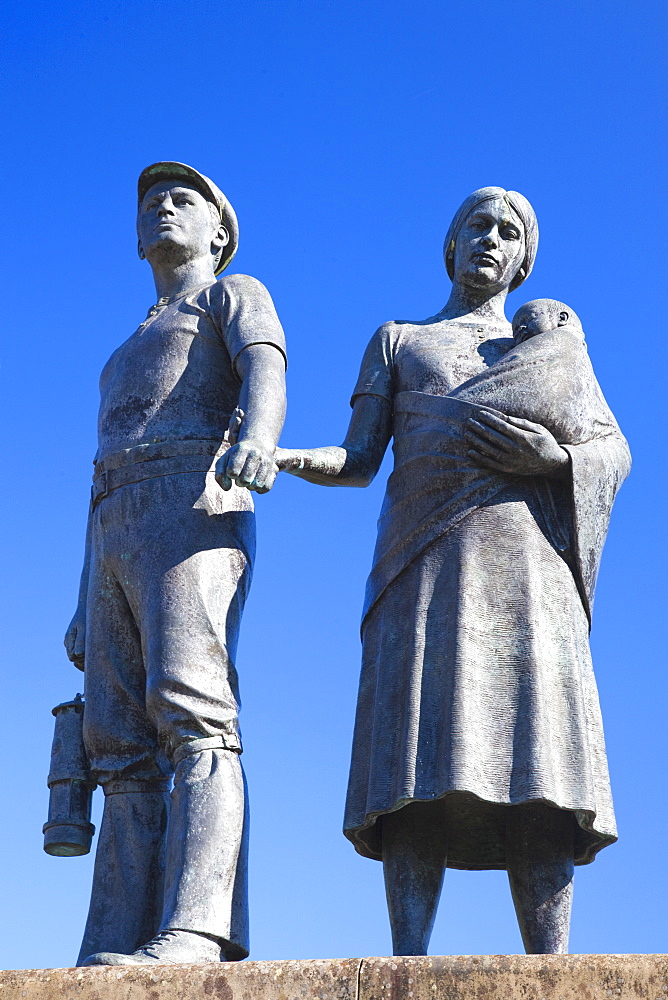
[{"x": 489, "y": 247}]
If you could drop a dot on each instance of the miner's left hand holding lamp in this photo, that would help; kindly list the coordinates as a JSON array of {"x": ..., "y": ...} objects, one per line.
[{"x": 169, "y": 554}]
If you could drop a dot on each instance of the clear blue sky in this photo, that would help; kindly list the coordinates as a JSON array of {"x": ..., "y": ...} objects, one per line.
[{"x": 345, "y": 134}]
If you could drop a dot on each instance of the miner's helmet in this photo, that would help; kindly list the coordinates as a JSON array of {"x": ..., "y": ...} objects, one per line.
[{"x": 168, "y": 171}]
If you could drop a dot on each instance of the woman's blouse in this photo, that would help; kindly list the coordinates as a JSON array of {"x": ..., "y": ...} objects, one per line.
[{"x": 433, "y": 356}]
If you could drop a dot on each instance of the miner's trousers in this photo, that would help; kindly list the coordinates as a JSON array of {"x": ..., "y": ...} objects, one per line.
[{"x": 171, "y": 561}]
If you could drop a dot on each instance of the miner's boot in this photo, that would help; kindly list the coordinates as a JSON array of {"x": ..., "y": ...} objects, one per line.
[
  {"x": 128, "y": 881},
  {"x": 205, "y": 912}
]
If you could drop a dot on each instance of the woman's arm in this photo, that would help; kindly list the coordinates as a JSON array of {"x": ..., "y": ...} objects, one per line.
[{"x": 358, "y": 459}]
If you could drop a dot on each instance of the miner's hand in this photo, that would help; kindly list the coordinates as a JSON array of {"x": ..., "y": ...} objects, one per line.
[
  {"x": 249, "y": 463},
  {"x": 514, "y": 446},
  {"x": 75, "y": 638}
]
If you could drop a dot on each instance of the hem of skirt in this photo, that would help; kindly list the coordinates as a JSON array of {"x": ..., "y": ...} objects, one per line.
[
  {"x": 585, "y": 819},
  {"x": 232, "y": 951}
]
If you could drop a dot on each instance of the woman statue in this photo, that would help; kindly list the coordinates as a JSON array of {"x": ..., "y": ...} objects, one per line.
[{"x": 478, "y": 740}]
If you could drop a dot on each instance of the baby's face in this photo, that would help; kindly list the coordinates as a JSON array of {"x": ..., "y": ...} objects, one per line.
[{"x": 532, "y": 320}]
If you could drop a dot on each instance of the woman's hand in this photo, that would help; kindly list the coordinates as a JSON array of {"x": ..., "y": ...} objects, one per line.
[
  {"x": 514, "y": 446},
  {"x": 289, "y": 459}
]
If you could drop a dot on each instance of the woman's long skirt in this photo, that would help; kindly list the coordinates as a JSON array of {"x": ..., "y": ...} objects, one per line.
[{"x": 477, "y": 685}]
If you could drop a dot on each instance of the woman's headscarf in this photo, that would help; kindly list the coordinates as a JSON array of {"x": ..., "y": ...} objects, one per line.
[{"x": 522, "y": 210}]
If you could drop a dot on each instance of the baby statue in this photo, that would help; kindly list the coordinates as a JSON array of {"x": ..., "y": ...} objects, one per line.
[{"x": 542, "y": 316}]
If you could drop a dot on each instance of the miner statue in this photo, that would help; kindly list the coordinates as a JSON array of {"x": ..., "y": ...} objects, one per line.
[{"x": 192, "y": 405}]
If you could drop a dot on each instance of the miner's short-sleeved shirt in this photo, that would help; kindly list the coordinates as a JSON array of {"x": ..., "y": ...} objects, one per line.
[{"x": 175, "y": 378}]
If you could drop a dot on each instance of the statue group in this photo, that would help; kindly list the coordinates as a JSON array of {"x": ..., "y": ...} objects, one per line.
[{"x": 478, "y": 740}]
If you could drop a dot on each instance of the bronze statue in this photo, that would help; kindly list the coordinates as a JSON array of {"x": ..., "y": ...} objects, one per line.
[
  {"x": 168, "y": 566},
  {"x": 478, "y": 741}
]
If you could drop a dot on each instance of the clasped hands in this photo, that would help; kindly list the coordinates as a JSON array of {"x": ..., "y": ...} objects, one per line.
[{"x": 250, "y": 463}]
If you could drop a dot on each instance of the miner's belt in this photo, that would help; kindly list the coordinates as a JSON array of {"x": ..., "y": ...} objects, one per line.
[
  {"x": 108, "y": 480},
  {"x": 161, "y": 449}
]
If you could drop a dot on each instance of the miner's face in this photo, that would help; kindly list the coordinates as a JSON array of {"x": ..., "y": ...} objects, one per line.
[
  {"x": 175, "y": 223},
  {"x": 489, "y": 247}
]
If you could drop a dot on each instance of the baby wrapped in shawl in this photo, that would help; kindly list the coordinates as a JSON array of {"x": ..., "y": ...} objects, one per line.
[{"x": 547, "y": 378}]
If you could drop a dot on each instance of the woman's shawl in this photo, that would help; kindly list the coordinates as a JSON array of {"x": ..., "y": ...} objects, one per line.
[{"x": 547, "y": 379}]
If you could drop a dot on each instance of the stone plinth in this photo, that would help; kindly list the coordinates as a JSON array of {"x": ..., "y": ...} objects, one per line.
[{"x": 495, "y": 977}]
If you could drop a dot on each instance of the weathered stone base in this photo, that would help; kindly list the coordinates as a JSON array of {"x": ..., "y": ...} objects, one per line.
[{"x": 494, "y": 977}]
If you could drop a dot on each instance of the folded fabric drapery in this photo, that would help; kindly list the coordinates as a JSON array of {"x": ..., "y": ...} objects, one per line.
[
  {"x": 549, "y": 380},
  {"x": 477, "y": 685}
]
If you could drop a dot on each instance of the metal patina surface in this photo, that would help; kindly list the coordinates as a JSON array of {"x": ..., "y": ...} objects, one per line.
[
  {"x": 478, "y": 740},
  {"x": 169, "y": 556}
]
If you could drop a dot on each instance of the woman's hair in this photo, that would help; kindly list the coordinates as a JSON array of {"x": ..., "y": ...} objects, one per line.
[{"x": 522, "y": 209}]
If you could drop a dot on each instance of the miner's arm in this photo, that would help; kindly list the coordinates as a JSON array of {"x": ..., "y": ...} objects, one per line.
[
  {"x": 357, "y": 460},
  {"x": 250, "y": 462}
]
